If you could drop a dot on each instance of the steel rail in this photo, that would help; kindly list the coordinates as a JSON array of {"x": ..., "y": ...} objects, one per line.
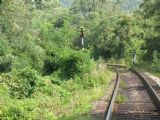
[
  {"x": 109, "y": 110},
  {"x": 150, "y": 90},
  {"x": 117, "y": 65}
]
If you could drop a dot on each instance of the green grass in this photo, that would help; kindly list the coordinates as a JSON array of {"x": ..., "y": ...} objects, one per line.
[
  {"x": 156, "y": 74},
  {"x": 147, "y": 67},
  {"x": 122, "y": 84},
  {"x": 83, "y": 104},
  {"x": 120, "y": 99}
]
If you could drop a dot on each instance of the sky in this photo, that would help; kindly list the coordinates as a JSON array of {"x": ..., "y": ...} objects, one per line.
[{"x": 128, "y": 5}]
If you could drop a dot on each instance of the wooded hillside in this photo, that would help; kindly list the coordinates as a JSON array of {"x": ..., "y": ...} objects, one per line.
[{"x": 45, "y": 70}]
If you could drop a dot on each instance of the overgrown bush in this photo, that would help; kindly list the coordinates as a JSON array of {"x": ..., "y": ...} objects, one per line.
[
  {"x": 75, "y": 63},
  {"x": 50, "y": 64},
  {"x": 12, "y": 113},
  {"x": 5, "y": 63},
  {"x": 5, "y": 55},
  {"x": 156, "y": 62},
  {"x": 68, "y": 63},
  {"x": 29, "y": 109},
  {"x": 23, "y": 82}
]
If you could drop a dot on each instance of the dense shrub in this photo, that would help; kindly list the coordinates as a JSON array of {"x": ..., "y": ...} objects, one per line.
[
  {"x": 23, "y": 82},
  {"x": 50, "y": 64},
  {"x": 4, "y": 45},
  {"x": 74, "y": 63},
  {"x": 29, "y": 109},
  {"x": 68, "y": 63},
  {"x": 5, "y": 56},
  {"x": 12, "y": 113},
  {"x": 5, "y": 63}
]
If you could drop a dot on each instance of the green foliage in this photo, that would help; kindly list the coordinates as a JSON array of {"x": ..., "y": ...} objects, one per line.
[
  {"x": 67, "y": 63},
  {"x": 25, "y": 109},
  {"x": 150, "y": 13},
  {"x": 156, "y": 61},
  {"x": 4, "y": 48},
  {"x": 5, "y": 57},
  {"x": 120, "y": 99},
  {"x": 23, "y": 82},
  {"x": 123, "y": 85},
  {"x": 5, "y": 63},
  {"x": 13, "y": 113},
  {"x": 50, "y": 98},
  {"x": 58, "y": 33},
  {"x": 44, "y": 72},
  {"x": 74, "y": 62}
]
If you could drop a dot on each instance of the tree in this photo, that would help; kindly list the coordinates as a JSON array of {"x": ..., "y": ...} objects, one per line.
[{"x": 150, "y": 12}]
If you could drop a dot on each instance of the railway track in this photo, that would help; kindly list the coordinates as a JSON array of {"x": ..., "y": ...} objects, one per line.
[
  {"x": 134, "y": 98},
  {"x": 154, "y": 85}
]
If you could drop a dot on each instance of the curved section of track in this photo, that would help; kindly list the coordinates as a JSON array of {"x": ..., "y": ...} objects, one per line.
[
  {"x": 140, "y": 102},
  {"x": 153, "y": 84}
]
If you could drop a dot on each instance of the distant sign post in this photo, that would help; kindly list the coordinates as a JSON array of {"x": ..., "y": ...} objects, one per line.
[
  {"x": 82, "y": 36},
  {"x": 134, "y": 57},
  {"x": 133, "y": 52}
]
